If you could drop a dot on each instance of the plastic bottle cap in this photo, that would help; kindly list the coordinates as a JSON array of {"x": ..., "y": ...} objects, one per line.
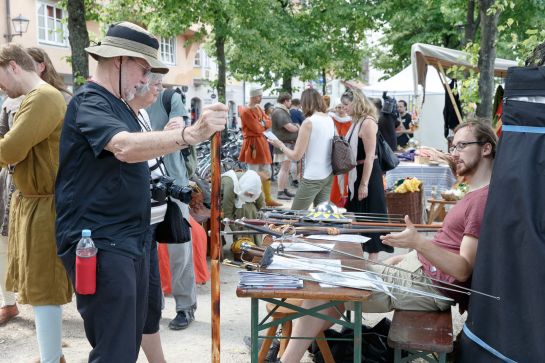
[{"x": 86, "y": 233}]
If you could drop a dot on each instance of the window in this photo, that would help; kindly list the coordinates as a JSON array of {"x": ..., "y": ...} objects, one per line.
[
  {"x": 206, "y": 61},
  {"x": 168, "y": 50},
  {"x": 51, "y": 26},
  {"x": 197, "y": 61}
]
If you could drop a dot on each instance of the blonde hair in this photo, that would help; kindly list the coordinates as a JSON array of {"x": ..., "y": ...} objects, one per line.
[{"x": 361, "y": 105}]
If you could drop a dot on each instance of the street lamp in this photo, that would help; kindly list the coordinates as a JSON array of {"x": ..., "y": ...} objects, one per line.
[
  {"x": 20, "y": 26},
  {"x": 460, "y": 27}
]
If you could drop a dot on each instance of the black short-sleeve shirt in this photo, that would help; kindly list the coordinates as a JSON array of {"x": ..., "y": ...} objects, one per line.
[{"x": 95, "y": 190}]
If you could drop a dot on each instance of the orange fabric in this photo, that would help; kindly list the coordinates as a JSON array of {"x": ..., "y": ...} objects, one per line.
[
  {"x": 255, "y": 148},
  {"x": 342, "y": 127},
  {"x": 336, "y": 196},
  {"x": 199, "y": 241},
  {"x": 164, "y": 268}
]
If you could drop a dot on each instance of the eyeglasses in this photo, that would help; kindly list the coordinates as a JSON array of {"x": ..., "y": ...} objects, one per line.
[
  {"x": 146, "y": 70},
  {"x": 462, "y": 145}
]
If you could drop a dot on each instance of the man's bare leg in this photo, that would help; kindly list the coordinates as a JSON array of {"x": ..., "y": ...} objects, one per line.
[{"x": 307, "y": 326}]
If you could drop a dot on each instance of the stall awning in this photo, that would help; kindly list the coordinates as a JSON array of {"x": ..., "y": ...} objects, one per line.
[{"x": 426, "y": 54}]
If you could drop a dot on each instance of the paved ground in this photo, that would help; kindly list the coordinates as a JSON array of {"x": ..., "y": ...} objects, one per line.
[{"x": 18, "y": 343}]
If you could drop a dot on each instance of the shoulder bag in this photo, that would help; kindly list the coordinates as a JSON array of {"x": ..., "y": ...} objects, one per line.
[
  {"x": 174, "y": 228},
  {"x": 342, "y": 158},
  {"x": 386, "y": 157}
]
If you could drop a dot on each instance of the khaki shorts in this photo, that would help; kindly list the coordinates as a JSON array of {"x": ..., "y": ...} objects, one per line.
[{"x": 380, "y": 302}]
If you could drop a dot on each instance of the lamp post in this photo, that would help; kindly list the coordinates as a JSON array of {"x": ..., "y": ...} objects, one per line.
[
  {"x": 460, "y": 27},
  {"x": 20, "y": 26}
]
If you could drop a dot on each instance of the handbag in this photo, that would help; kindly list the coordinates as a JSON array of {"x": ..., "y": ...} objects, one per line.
[
  {"x": 386, "y": 157},
  {"x": 342, "y": 158},
  {"x": 174, "y": 228}
]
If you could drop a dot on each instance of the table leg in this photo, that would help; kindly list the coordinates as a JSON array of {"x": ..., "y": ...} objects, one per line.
[
  {"x": 434, "y": 210},
  {"x": 255, "y": 331},
  {"x": 357, "y": 331}
]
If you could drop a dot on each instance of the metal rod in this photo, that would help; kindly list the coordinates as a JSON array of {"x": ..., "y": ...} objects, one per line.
[
  {"x": 264, "y": 229},
  {"x": 321, "y": 268},
  {"x": 466, "y": 290}
]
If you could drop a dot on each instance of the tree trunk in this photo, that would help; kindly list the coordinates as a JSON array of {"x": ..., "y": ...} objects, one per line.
[
  {"x": 220, "y": 54},
  {"x": 79, "y": 40},
  {"x": 286, "y": 83},
  {"x": 487, "y": 56},
  {"x": 324, "y": 81},
  {"x": 472, "y": 24},
  {"x": 537, "y": 58}
]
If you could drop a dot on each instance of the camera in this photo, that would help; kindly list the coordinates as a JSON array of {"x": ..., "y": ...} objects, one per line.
[{"x": 164, "y": 186}]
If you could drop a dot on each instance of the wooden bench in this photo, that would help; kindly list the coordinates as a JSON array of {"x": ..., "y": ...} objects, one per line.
[{"x": 422, "y": 334}]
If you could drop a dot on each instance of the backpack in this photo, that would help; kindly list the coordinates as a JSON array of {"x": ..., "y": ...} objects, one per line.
[
  {"x": 374, "y": 345},
  {"x": 167, "y": 97},
  {"x": 389, "y": 105},
  {"x": 189, "y": 154}
]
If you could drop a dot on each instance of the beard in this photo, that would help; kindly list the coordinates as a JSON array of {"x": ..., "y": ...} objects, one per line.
[
  {"x": 129, "y": 94},
  {"x": 465, "y": 168}
]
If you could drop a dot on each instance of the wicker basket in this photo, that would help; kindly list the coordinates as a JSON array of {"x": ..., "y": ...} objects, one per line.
[{"x": 406, "y": 204}]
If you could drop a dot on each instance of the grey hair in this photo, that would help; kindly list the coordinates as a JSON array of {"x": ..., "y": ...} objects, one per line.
[{"x": 144, "y": 88}]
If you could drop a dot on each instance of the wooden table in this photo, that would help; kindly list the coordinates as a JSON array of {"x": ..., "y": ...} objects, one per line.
[
  {"x": 437, "y": 209},
  {"x": 311, "y": 291}
]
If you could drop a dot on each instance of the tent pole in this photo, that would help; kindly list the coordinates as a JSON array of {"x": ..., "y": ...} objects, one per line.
[{"x": 443, "y": 78}]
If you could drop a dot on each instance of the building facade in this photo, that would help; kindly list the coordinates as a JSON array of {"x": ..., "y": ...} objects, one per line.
[{"x": 191, "y": 68}]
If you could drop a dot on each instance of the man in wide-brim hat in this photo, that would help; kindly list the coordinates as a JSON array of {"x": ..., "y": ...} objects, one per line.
[{"x": 103, "y": 185}]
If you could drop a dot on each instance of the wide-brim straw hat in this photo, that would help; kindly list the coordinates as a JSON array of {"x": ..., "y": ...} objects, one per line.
[{"x": 129, "y": 40}]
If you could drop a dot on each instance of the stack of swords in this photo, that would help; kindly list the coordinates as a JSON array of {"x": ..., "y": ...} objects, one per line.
[
  {"x": 267, "y": 255},
  {"x": 351, "y": 223}
]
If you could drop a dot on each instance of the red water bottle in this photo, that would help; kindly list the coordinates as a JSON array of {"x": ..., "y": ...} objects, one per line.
[{"x": 86, "y": 264}]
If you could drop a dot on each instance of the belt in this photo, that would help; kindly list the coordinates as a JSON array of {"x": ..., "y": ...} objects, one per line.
[
  {"x": 361, "y": 162},
  {"x": 19, "y": 194}
]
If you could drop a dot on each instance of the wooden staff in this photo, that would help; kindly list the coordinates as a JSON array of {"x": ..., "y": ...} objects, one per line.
[{"x": 215, "y": 244}]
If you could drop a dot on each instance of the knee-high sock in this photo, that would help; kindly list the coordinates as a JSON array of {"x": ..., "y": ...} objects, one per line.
[
  {"x": 48, "y": 331},
  {"x": 8, "y": 297}
]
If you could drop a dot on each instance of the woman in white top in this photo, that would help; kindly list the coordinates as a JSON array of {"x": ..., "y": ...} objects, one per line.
[{"x": 314, "y": 141}]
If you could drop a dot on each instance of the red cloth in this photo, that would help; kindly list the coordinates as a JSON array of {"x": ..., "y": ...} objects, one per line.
[
  {"x": 255, "y": 148},
  {"x": 338, "y": 196},
  {"x": 342, "y": 127},
  {"x": 199, "y": 240},
  {"x": 164, "y": 268}
]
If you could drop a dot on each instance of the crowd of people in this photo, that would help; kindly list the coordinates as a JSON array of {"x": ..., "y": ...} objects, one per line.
[{"x": 95, "y": 154}]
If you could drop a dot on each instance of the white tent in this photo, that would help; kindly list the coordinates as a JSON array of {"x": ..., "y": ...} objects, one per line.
[
  {"x": 400, "y": 86},
  {"x": 402, "y": 83}
]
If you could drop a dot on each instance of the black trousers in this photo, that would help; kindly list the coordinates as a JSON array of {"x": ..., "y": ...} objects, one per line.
[
  {"x": 155, "y": 294},
  {"x": 114, "y": 316}
]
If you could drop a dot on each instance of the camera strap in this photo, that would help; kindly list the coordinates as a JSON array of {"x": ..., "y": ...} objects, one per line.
[{"x": 145, "y": 127}]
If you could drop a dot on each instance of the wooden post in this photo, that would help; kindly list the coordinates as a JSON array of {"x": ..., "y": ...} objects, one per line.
[
  {"x": 443, "y": 78},
  {"x": 215, "y": 244}
]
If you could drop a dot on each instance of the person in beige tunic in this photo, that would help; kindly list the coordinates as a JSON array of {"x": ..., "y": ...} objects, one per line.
[{"x": 31, "y": 150}]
